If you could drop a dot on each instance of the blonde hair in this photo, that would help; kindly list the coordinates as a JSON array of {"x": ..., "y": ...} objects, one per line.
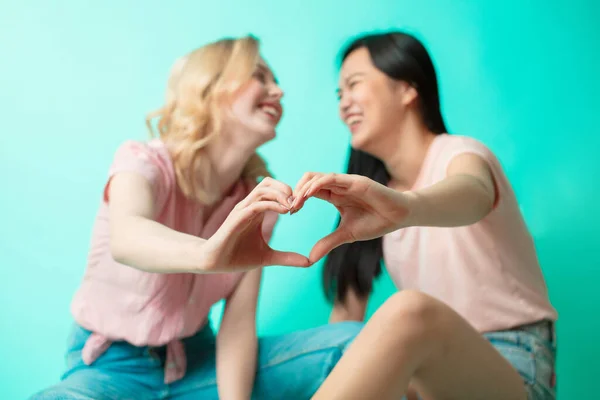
[{"x": 198, "y": 88}]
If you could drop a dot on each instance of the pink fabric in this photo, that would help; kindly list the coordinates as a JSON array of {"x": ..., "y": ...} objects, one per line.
[
  {"x": 488, "y": 272},
  {"x": 117, "y": 302}
]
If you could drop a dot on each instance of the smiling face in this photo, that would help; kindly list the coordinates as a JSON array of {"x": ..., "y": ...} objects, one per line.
[
  {"x": 371, "y": 103},
  {"x": 257, "y": 106}
]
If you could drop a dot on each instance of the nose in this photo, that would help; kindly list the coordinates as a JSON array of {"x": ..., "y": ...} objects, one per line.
[
  {"x": 345, "y": 104},
  {"x": 275, "y": 91}
]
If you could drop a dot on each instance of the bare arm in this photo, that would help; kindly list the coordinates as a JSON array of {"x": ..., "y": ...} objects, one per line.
[
  {"x": 237, "y": 344},
  {"x": 139, "y": 241},
  {"x": 352, "y": 309},
  {"x": 465, "y": 196}
]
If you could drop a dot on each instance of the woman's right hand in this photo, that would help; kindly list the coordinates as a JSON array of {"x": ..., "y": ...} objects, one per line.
[
  {"x": 367, "y": 209},
  {"x": 239, "y": 244}
]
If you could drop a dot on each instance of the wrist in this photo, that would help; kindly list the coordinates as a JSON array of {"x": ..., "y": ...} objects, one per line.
[
  {"x": 413, "y": 204},
  {"x": 201, "y": 252}
]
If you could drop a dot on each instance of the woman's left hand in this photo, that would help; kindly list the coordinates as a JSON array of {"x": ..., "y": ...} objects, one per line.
[{"x": 368, "y": 209}]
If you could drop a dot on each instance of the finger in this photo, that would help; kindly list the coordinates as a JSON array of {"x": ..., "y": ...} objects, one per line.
[
  {"x": 310, "y": 184},
  {"x": 324, "y": 195},
  {"x": 328, "y": 243},
  {"x": 274, "y": 194},
  {"x": 299, "y": 198},
  {"x": 329, "y": 181},
  {"x": 274, "y": 183},
  {"x": 302, "y": 196},
  {"x": 307, "y": 177},
  {"x": 286, "y": 258},
  {"x": 266, "y": 193},
  {"x": 282, "y": 187},
  {"x": 259, "y": 208}
]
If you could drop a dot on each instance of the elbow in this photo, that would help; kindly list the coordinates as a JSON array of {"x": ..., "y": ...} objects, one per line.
[
  {"x": 485, "y": 200},
  {"x": 484, "y": 206},
  {"x": 488, "y": 200}
]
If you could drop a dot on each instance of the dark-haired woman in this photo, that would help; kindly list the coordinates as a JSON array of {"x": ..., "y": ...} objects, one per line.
[{"x": 473, "y": 319}]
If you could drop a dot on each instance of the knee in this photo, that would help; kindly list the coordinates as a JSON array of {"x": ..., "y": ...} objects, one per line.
[{"x": 415, "y": 313}]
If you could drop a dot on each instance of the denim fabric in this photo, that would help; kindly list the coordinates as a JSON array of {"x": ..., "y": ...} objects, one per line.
[
  {"x": 290, "y": 366},
  {"x": 532, "y": 352}
]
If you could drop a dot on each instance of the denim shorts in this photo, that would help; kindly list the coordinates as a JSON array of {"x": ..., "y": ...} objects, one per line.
[
  {"x": 531, "y": 349},
  {"x": 290, "y": 366}
]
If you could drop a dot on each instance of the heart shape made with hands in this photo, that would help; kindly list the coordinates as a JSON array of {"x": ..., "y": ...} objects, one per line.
[
  {"x": 367, "y": 208},
  {"x": 324, "y": 187}
]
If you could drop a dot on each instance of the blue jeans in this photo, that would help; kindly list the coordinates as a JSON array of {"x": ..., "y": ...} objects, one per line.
[
  {"x": 531, "y": 350},
  {"x": 290, "y": 366}
]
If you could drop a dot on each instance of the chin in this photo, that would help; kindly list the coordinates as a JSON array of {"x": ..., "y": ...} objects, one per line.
[
  {"x": 359, "y": 141},
  {"x": 365, "y": 143},
  {"x": 266, "y": 136}
]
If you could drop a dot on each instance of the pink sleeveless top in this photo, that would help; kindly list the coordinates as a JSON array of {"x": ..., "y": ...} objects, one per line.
[
  {"x": 120, "y": 303},
  {"x": 488, "y": 272}
]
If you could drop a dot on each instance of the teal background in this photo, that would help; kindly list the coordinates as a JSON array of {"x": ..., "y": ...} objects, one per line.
[{"x": 78, "y": 77}]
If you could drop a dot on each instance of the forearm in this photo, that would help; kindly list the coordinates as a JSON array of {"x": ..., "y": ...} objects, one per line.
[
  {"x": 237, "y": 348},
  {"x": 150, "y": 246},
  {"x": 458, "y": 200}
]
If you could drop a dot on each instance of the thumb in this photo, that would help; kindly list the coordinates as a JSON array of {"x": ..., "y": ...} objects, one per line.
[
  {"x": 286, "y": 258},
  {"x": 328, "y": 243}
]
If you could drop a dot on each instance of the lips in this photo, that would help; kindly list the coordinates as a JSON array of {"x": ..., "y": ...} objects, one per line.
[
  {"x": 353, "y": 121},
  {"x": 273, "y": 110}
]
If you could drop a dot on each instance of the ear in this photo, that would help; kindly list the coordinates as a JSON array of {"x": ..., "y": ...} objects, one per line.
[{"x": 409, "y": 93}]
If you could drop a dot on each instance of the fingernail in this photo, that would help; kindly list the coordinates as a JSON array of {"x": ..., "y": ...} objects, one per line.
[
  {"x": 291, "y": 201},
  {"x": 308, "y": 191}
]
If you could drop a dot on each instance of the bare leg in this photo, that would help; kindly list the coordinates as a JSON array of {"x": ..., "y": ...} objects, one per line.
[{"x": 416, "y": 339}]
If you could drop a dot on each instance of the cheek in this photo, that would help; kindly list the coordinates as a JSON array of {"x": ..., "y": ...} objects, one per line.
[
  {"x": 368, "y": 102},
  {"x": 361, "y": 97},
  {"x": 248, "y": 99},
  {"x": 255, "y": 93}
]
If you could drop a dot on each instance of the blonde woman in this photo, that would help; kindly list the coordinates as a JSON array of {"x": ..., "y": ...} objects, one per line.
[{"x": 183, "y": 224}]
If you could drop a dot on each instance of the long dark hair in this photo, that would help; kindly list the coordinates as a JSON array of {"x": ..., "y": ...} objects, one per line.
[{"x": 403, "y": 57}]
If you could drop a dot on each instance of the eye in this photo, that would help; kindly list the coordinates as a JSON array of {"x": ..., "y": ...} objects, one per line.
[{"x": 260, "y": 76}]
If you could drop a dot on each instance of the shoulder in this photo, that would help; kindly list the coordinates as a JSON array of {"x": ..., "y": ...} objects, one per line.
[
  {"x": 448, "y": 148},
  {"x": 147, "y": 158},
  {"x": 459, "y": 143},
  {"x": 153, "y": 151}
]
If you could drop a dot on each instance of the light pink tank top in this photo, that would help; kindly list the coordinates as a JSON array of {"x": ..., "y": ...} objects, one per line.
[
  {"x": 488, "y": 272},
  {"x": 120, "y": 303}
]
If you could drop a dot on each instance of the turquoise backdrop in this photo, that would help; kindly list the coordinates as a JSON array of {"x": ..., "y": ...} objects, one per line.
[{"x": 78, "y": 77}]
